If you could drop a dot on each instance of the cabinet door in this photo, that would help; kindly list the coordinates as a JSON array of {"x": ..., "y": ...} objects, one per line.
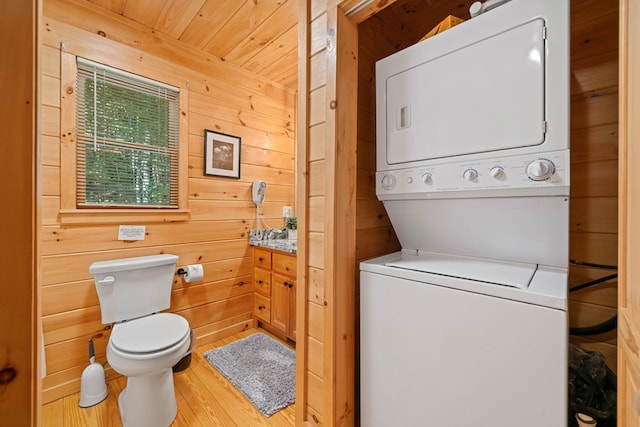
[{"x": 280, "y": 291}]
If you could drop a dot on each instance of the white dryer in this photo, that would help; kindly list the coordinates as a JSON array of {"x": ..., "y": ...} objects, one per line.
[{"x": 467, "y": 325}]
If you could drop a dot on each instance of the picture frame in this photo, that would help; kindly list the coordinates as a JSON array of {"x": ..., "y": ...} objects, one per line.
[{"x": 221, "y": 154}]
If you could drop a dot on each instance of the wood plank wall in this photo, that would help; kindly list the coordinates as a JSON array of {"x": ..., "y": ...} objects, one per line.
[
  {"x": 311, "y": 343},
  {"x": 594, "y": 166},
  {"x": 374, "y": 234},
  {"x": 222, "y": 98},
  {"x": 594, "y": 137}
]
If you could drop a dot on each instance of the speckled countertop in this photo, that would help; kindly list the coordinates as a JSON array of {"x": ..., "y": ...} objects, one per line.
[{"x": 274, "y": 239}]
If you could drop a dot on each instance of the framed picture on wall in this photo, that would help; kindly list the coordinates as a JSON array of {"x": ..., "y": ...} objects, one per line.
[{"x": 221, "y": 154}]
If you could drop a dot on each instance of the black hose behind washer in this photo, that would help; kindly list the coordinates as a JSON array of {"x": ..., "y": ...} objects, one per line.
[
  {"x": 609, "y": 324},
  {"x": 600, "y": 328},
  {"x": 594, "y": 282}
]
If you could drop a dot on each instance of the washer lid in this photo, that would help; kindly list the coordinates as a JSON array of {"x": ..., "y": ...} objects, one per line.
[
  {"x": 150, "y": 334},
  {"x": 517, "y": 275}
]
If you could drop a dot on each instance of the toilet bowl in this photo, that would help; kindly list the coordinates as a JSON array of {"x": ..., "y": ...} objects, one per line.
[
  {"x": 145, "y": 343},
  {"x": 148, "y": 343},
  {"x": 144, "y": 350}
]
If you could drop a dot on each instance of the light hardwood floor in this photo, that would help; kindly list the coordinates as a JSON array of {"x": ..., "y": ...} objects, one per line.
[{"x": 205, "y": 398}]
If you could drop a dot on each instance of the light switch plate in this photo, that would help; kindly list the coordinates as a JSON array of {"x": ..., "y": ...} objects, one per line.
[{"x": 286, "y": 211}]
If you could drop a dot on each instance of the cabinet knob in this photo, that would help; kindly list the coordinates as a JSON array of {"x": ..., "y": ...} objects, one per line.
[
  {"x": 260, "y": 307},
  {"x": 286, "y": 284},
  {"x": 260, "y": 282},
  {"x": 260, "y": 259},
  {"x": 290, "y": 285}
]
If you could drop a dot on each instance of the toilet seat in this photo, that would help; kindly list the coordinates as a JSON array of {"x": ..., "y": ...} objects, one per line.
[{"x": 154, "y": 334}]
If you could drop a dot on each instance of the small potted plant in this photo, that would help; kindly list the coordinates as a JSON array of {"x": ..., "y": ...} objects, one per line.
[{"x": 291, "y": 224}]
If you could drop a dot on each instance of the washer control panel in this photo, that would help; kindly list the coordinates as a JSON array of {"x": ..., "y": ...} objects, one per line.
[{"x": 546, "y": 173}]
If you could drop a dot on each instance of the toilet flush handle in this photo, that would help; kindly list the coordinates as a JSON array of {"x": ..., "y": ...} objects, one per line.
[{"x": 107, "y": 280}]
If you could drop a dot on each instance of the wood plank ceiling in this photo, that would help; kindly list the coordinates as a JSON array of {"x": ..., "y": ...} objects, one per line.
[{"x": 258, "y": 35}]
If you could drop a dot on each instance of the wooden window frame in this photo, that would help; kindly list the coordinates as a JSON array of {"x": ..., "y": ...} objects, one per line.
[{"x": 69, "y": 212}]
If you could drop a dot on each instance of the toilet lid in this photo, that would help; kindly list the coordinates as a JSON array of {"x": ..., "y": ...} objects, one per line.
[{"x": 150, "y": 334}]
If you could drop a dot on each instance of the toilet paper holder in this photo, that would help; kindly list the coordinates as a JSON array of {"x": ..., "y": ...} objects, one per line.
[{"x": 191, "y": 273}]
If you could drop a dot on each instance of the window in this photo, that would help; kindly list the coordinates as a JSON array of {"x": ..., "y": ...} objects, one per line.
[{"x": 127, "y": 139}]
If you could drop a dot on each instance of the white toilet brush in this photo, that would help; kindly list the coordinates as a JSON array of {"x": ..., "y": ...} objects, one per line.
[{"x": 93, "y": 385}]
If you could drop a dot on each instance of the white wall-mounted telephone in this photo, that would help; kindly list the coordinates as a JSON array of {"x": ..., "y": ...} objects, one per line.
[{"x": 259, "y": 190}]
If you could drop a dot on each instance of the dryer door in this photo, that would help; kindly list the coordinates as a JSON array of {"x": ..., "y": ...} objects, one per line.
[{"x": 482, "y": 97}]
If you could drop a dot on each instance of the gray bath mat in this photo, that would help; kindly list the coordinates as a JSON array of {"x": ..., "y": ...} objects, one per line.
[{"x": 263, "y": 369}]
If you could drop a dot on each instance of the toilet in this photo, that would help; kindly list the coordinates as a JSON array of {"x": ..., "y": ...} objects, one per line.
[{"x": 144, "y": 344}]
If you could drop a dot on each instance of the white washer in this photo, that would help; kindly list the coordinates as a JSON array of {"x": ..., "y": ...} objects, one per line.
[
  {"x": 444, "y": 351},
  {"x": 467, "y": 325}
]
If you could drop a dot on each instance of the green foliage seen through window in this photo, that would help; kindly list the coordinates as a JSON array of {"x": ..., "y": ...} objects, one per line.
[{"x": 127, "y": 143}]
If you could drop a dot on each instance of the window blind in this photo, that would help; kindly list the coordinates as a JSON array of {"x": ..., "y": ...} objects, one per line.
[{"x": 127, "y": 139}]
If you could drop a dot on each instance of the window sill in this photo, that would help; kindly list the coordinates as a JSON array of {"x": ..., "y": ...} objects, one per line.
[{"x": 121, "y": 216}]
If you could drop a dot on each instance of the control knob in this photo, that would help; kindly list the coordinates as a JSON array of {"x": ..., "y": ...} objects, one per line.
[
  {"x": 497, "y": 172},
  {"x": 388, "y": 182},
  {"x": 540, "y": 169},
  {"x": 470, "y": 174},
  {"x": 426, "y": 178}
]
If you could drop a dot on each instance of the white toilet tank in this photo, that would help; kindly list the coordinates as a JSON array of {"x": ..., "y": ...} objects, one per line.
[{"x": 133, "y": 287}]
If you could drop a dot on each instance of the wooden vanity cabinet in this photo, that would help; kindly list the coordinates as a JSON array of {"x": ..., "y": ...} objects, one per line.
[{"x": 275, "y": 291}]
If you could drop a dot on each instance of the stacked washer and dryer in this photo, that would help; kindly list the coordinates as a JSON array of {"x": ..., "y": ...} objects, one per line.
[{"x": 467, "y": 325}]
